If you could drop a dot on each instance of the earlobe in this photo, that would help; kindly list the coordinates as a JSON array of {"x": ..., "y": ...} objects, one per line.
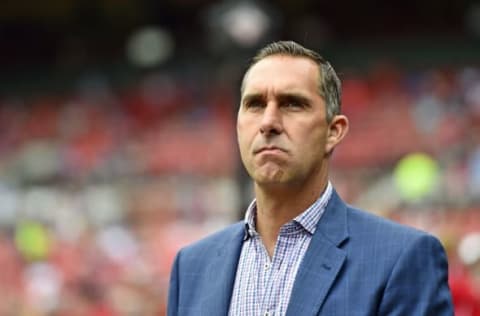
[{"x": 337, "y": 130}]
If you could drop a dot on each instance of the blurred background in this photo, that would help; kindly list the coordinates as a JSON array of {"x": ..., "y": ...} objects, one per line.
[{"x": 118, "y": 146}]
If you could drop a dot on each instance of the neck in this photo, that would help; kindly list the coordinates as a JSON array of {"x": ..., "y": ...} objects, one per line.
[{"x": 279, "y": 205}]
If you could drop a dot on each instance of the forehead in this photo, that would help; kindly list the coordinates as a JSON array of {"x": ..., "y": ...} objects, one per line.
[{"x": 281, "y": 72}]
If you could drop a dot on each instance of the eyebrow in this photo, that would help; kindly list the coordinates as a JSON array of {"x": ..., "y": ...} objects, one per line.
[
  {"x": 282, "y": 97},
  {"x": 252, "y": 97},
  {"x": 294, "y": 96}
]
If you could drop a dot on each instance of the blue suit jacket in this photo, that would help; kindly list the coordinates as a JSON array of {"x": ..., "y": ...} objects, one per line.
[{"x": 356, "y": 264}]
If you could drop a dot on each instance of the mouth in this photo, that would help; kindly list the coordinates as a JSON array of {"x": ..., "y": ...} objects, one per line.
[{"x": 269, "y": 149}]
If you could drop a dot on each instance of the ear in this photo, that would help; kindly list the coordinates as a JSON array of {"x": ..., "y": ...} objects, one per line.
[{"x": 337, "y": 130}]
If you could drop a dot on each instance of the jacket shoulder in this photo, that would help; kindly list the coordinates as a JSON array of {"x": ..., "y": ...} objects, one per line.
[
  {"x": 386, "y": 233},
  {"x": 216, "y": 239},
  {"x": 360, "y": 219}
]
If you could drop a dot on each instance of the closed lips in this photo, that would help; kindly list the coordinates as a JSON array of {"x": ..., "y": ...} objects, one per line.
[{"x": 269, "y": 148}]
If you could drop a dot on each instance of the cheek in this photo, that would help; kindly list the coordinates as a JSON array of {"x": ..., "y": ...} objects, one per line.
[
  {"x": 243, "y": 142},
  {"x": 245, "y": 131},
  {"x": 313, "y": 139}
]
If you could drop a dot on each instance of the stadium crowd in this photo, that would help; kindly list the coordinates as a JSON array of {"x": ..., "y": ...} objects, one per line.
[{"x": 100, "y": 185}]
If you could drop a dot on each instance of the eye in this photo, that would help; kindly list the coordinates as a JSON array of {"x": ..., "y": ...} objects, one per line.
[
  {"x": 254, "y": 104},
  {"x": 293, "y": 104}
]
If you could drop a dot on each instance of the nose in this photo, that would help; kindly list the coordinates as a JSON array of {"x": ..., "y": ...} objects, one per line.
[{"x": 271, "y": 123}]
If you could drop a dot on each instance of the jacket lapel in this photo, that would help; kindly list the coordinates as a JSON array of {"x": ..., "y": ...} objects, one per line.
[
  {"x": 222, "y": 273},
  {"x": 322, "y": 262}
]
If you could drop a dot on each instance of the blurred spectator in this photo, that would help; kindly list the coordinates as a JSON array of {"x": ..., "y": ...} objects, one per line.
[{"x": 114, "y": 180}]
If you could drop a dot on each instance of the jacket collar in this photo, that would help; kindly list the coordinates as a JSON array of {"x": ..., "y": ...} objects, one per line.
[
  {"x": 316, "y": 274},
  {"x": 222, "y": 272},
  {"x": 322, "y": 262}
]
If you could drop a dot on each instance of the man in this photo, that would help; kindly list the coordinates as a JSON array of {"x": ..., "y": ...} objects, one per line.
[{"x": 301, "y": 250}]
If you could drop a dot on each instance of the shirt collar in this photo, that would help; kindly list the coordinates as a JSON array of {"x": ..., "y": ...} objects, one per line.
[
  {"x": 250, "y": 220},
  {"x": 308, "y": 219}
]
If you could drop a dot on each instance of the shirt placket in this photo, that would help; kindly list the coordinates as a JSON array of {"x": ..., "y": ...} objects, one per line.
[
  {"x": 264, "y": 272},
  {"x": 273, "y": 271}
]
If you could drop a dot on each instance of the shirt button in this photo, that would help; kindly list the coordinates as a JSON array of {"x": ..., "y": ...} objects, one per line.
[
  {"x": 266, "y": 266},
  {"x": 266, "y": 313}
]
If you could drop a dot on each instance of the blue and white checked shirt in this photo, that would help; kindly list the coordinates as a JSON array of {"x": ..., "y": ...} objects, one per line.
[{"x": 263, "y": 285}]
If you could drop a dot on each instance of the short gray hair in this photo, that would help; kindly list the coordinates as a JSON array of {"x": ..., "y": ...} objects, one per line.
[{"x": 329, "y": 85}]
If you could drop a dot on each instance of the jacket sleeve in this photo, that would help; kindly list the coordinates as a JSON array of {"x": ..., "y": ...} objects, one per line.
[
  {"x": 418, "y": 283},
  {"x": 173, "y": 289}
]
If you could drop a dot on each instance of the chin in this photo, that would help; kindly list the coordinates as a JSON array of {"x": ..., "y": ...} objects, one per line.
[{"x": 272, "y": 178}]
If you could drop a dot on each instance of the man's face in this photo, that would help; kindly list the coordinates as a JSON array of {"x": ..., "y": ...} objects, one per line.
[{"x": 281, "y": 126}]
